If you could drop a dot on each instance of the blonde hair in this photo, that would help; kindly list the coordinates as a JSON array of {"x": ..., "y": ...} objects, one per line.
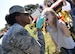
[{"x": 53, "y": 13}]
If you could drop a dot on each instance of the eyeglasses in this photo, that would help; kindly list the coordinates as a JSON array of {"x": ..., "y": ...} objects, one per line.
[{"x": 26, "y": 14}]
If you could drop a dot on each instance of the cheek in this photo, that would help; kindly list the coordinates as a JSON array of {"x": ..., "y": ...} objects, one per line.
[
  {"x": 50, "y": 20},
  {"x": 22, "y": 17},
  {"x": 28, "y": 18}
]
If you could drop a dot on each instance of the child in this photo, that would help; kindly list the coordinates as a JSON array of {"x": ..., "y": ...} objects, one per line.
[{"x": 60, "y": 34}]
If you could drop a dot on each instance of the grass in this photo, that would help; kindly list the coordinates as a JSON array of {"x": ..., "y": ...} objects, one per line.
[{"x": 49, "y": 46}]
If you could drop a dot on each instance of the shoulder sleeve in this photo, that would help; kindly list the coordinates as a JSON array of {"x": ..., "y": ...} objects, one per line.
[{"x": 41, "y": 41}]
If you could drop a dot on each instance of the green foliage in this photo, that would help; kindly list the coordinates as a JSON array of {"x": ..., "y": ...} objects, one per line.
[
  {"x": 3, "y": 29},
  {"x": 49, "y": 46}
]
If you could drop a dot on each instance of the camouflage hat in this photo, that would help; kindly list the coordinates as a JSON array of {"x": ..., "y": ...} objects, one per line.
[{"x": 17, "y": 8}]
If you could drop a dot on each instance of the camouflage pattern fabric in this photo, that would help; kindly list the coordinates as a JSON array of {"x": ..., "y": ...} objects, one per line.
[{"x": 18, "y": 41}]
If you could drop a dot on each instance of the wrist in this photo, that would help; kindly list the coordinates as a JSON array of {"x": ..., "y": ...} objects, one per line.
[
  {"x": 57, "y": 47},
  {"x": 38, "y": 29}
]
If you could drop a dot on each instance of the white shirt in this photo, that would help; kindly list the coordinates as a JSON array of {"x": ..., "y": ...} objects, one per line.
[{"x": 61, "y": 39}]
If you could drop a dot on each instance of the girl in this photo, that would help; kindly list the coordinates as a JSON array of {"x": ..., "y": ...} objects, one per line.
[{"x": 60, "y": 34}]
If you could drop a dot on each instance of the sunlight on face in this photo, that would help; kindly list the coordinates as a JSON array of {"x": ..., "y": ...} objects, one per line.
[{"x": 49, "y": 17}]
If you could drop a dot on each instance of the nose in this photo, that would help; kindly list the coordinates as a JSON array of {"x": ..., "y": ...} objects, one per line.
[
  {"x": 46, "y": 19},
  {"x": 45, "y": 16}
]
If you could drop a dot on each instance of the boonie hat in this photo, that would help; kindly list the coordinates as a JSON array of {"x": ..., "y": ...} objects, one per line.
[{"x": 17, "y": 8}]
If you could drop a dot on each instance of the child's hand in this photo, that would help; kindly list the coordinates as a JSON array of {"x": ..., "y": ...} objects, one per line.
[{"x": 58, "y": 50}]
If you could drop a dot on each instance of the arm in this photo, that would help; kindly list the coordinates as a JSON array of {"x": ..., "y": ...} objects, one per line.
[
  {"x": 64, "y": 29},
  {"x": 41, "y": 40},
  {"x": 54, "y": 42},
  {"x": 55, "y": 4},
  {"x": 57, "y": 49}
]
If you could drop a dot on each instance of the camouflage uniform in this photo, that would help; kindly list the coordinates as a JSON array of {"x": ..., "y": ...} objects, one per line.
[{"x": 18, "y": 41}]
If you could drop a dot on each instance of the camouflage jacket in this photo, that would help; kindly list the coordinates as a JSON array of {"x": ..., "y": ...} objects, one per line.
[{"x": 18, "y": 41}]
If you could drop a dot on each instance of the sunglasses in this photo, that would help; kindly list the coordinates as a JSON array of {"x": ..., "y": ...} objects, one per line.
[{"x": 26, "y": 14}]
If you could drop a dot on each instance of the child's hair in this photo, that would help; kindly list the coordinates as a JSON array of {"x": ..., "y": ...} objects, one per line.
[{"x": 55, "y": 20}]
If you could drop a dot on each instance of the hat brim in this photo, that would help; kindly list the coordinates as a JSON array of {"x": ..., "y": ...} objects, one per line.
[{"x": 26, "y": 12}]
